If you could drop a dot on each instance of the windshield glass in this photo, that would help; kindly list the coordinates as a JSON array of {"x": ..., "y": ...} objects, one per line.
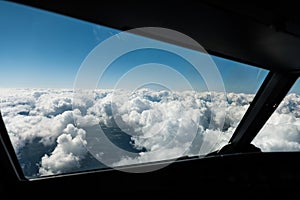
[
  {"x": 281, "y": 131},
  {"x": 71, "y": 101}
]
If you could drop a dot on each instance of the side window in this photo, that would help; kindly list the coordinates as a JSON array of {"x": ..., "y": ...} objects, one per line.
[{"x": 281, "y": 132}]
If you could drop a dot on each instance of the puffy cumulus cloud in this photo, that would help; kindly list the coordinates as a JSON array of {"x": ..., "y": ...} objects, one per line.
[
  {"x": 166, "y": 123},
  {"x": 290, "y": 105},
  {"x": 240, "y": 99},
  {"x": 84, "y": 120},
  {"x": 31, "y": 113},
  {"x": 67, "y": 154},
  {"x": 24, "y": 129},
  {"x": 52, "y": 104},
  {"x": 161, "y": 124},
  {"x": 16, "y": 102}
]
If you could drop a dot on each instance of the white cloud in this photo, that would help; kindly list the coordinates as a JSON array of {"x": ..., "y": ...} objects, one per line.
[
  {"x": 66, "y": 156},
  {"x": 164, "y": 123},
  {"x": 52, "y": 104}
]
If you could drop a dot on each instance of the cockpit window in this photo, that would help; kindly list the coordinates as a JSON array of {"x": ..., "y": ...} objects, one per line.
[
  {"x": 281, "y": 132},
  {"x": 71, "y": 101}
]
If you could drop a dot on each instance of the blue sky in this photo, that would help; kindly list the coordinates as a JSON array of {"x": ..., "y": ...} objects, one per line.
[{"x": 42, "y": 49}]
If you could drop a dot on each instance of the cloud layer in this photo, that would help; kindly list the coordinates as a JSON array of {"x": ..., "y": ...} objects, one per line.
[{"x": 149, "y": 125}]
